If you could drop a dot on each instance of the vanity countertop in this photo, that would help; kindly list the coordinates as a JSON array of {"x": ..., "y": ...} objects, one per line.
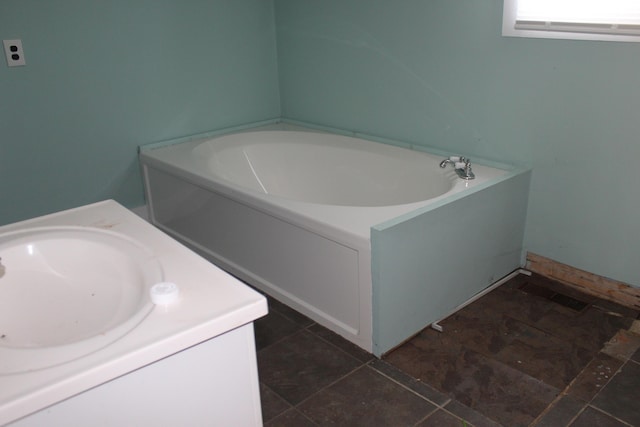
[{"x": 211, "y": 303}]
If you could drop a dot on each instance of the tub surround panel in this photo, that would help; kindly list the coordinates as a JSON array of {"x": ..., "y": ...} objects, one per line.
[{"x": 426, "y": 266}]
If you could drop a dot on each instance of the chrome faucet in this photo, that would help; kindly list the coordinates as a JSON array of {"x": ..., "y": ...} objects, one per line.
[
  {"x": 445, "y": 162},
  {"x": 452, "y": 161},
  {"x": 462, "y": 166}
]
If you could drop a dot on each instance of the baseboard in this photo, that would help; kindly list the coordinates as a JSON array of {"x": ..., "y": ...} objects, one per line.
[{"x": 589, "y": 283}]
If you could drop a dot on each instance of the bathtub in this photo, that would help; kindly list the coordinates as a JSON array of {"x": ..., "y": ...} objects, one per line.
[{"x": 313, "y": 218}]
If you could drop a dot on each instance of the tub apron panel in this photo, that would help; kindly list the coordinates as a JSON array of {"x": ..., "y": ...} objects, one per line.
[{"x": 426, "y": 266}]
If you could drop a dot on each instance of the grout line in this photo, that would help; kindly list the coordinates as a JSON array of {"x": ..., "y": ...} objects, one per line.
[
  {"x": 308, "y": 328},
  {"x": 413, "y": 391},
  {"x": 328, "y": 385},
  {"x": 291, "y": 319},
  {"x": 281, "y": 339},
  {"x": 552, "y": 405},
  {"x": 289, "y": 405},
  {"x": 438, "y": 407},
  {"x": 305, "y": 416},
  {"x": 360, "y": 365},
  {"x": 295, "y": 406},
  {"x": 610, "y": 415},
  {"x": 421, "y": 420},
  {"x": 575, "y": 417},
  {"x": 370, "y": 364}
]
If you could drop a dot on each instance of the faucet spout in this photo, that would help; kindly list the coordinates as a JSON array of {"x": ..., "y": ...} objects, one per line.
[
  {"x": 445, "y": 162},
  {"x": 462, "y": 166}
]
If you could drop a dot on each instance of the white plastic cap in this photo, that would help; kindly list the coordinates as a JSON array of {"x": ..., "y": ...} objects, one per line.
[{"x": 164, "y": 293}]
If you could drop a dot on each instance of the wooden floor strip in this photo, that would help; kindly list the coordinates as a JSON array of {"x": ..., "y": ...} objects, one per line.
[{"x": 589, "y": 283}]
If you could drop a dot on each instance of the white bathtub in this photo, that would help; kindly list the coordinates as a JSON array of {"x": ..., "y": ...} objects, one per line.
[{"x": 291, "y": 213}]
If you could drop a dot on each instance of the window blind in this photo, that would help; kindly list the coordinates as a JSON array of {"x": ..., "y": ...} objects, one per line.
[{"x": 621, "y": 17}]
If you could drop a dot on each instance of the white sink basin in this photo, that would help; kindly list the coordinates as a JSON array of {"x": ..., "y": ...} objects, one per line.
[{"x": 68, "y": 291}]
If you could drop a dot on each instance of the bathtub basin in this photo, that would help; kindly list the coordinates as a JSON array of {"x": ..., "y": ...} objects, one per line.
[
  {"x": 304, "y": 168},
  {"x": 68, "y": 291}
]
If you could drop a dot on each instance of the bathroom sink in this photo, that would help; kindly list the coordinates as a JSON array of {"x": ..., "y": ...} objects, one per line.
[{"x": 68, "y": 291}]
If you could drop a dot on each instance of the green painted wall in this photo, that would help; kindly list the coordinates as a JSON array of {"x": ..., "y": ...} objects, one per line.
[
  {"x": 104, "y": 77},
  {"x": 439, "y": 73}
]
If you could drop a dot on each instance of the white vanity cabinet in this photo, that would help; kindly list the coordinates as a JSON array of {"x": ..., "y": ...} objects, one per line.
[{"x": 190, "y": 362}]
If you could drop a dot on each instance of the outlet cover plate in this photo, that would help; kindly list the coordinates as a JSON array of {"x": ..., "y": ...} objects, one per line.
[{"x": 14, "y": 53}]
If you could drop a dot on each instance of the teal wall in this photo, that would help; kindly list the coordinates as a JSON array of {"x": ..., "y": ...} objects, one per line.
[
  {"x": 439, "y": 73},
  {"x": 103, "y": 77}
]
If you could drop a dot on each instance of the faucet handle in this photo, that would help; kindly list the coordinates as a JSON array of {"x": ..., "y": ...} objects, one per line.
[{"x": 464, "y": 163}]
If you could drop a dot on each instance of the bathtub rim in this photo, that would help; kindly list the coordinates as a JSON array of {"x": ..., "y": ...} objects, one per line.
[
  {"x": 319, "y": 218},
  {"x": 297, "y": 125}
]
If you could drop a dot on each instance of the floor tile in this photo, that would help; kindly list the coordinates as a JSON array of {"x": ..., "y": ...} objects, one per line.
[
  {"x": 623, "y": 345},
  {"x": 441, "y": 418},
  {"x": 635, "y": 326},
  {"x": 469, "y": 415},
  {"x": 501, "y": 361},
  {"x": 477, "y": 331},
  {"x": 496, "y": 390},
  {"x": 612, "y": 307},
  {"x": 552, "y": 360},
  {"x": 594, "y": 377},
  {"x": 419, "y": 387},
  {"x": 366, "y": 398},
  {"x": 427, "y": 357},
  {"x": 343, "y": 344},
  {"x": 621, "y": 396},
  {"x": 513, "y": 303},
  {"x": 569, "y": 302},
  {"x": 590, "y": 328},
  {"x": 561, "y": 413},
  {"x": 541, "y": 291},
  {"x": 298, "y": 366},
  {"x": 272, "y": 404},
  {"x": 560, "y": 288},
  {"x": 272, "y": 328},
  {"x": 291, "y": 418},
  {"x": 289, "y": 313},
  {"x": 594, "y": 418}
]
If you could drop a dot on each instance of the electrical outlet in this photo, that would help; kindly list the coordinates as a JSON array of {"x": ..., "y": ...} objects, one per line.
[{"x": 14, "y": 53}]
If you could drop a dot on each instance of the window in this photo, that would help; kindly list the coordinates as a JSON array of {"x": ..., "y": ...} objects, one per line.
[{"x": 617, "y": 20}]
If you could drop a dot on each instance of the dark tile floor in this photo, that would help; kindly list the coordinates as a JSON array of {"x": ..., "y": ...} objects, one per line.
[{"x": 532, "y": 352}]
